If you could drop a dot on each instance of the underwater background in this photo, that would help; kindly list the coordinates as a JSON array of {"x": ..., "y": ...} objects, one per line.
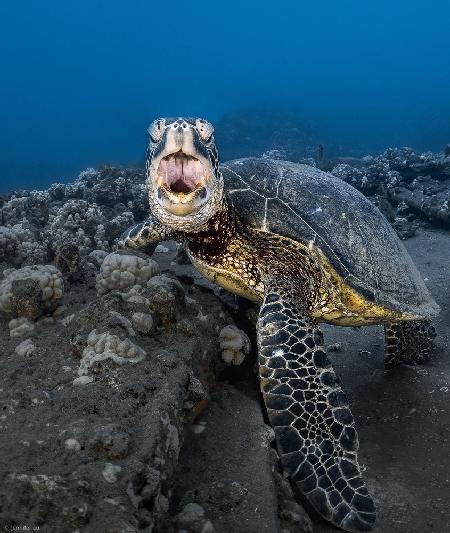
[
  {"x": 80, "y": 82},
  {"x": 129, "y": 398}
]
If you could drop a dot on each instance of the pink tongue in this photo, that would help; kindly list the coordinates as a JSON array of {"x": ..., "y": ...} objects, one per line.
[{"x": 180, "y": 173}]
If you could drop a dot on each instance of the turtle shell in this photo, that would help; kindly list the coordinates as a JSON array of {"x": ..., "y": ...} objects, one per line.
[{"x": 306, "y": 204}]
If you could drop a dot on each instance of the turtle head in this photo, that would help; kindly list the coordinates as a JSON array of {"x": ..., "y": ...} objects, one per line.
[{"x": 185, "y": 185}]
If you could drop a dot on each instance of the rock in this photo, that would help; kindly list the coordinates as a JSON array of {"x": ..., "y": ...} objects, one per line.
[
  {"x": 72, "y": 445},
  {"x": 426, "y": 197},
  {"x": 143, "y": 322},
  {"x": 294, "y": 514},
  {"x": 25, "y": 348},
  {"x": 135, "y": 415},
  {"x": 20, "y": 326},
  {"x": 447, "y": 150},
  {"x": 110, "y": 472},
  {"x": 405, "y": 228},
  {"x": 336, "y": 347},
  {"x": 31, "y": 291},
  {"x": 111, "y": 440},
  {"x": 166, "y": 298},
  {"x": 235, "y": 344},
  {"x": 83, "y": 380},
  {"x": 400, "y": 177},
  {"x": 192, "y": 519},
  {"x": 182, "y": 257},
  {"x": 160, "y": 249}
]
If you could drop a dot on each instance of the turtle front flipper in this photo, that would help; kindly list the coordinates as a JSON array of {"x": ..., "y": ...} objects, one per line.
[
  {"x": 409, "y": 342},
  {"x": 314, "y": 428},
  {"x": 144, "y": 236}
]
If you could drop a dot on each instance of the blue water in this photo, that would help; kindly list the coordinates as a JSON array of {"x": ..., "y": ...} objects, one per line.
[{"x": 80, "y": 81}]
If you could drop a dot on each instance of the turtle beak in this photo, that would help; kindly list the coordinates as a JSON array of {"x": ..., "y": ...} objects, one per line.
[{"x": 182, "y": 183}]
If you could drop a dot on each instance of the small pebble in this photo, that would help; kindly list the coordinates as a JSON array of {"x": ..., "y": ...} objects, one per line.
[
  {"x": 67, "y": 320},
  {"x": 83, "y": 380},
  {"x": 336, "y": 347},
  {"x": 199, "y": 428},
  {"x": 110, "y": 472},
  {"x": 160, "y": 249},
  {"x": 207, "y": 527},
  {"x": 191, "y": 513},
  {"x": 59, "y": 311},
  {"x": 25, "y": 348},
  {"x": 49, "y": 395},
  {"x": 73, "y": 445}
]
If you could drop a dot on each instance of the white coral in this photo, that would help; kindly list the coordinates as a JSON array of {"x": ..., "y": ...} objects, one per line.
[
  {"x": 8, "y": 243},
  {"x": 48, "y": 277},
  {"x": 143, "y": 322},
  {"x": 25, "y": 348},
  {"x": 20, "y": 245},
  {"x": 77, "y": 224},
  {"x": 102, "y": 346},
  {"x": 235, "y": 344},
  {"x": 20, "y": 326},
  {"x": 122, "y": 271}
]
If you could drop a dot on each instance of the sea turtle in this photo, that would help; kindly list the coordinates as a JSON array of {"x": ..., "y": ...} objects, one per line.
[{"x": 308, "y": 248}]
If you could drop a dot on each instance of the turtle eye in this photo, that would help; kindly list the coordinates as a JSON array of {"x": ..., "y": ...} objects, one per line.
[
  {"x": 205, "y": 129},
  {"x": 156, "y": 130}
]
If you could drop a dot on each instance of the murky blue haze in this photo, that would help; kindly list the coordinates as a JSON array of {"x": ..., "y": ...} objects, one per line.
[{"x": 80, "y": 81}]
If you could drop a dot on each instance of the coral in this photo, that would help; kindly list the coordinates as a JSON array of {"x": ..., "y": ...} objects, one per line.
[
  {"x": 102, "y": 346},
  {"x": 25, "y": 348},
  {"x": 192, "y": 519},
  {"x": 31, "y": 291},
  {"x": 32, "y": 207},
  {"x": 77, "y": 224},
  {"x": 235, "y": 345},
  {"x": 8, "y": 243},
  {"x": 31, "y": 250},
  {"x": 123, "y": 270},
  {"x": 72, "y": 445},
  {"x": 20, "y": 245},
  {"x": 420, "y": 183},
  {"x": 69, "y": 221},
  {"x": 110, "y": 472},
  {"x": 166, "y": 298},
  {"x": 143, "y": 322},
  {"x": 20, "y": 326},
  {"x": 97, "y": 257},
  {"x": 119, "y": 224},
  {"x": 370, "y": 178}
]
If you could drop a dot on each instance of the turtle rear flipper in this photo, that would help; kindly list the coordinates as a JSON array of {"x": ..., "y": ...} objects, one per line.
[
  {"x": 409, "y": 342},
  {"x": 314, "y": 427}
]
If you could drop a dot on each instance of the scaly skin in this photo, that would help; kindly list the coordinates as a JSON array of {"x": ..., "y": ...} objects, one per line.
[
  {"x": 297, "y": 287},
  {"x": 409, "y": 342},
  {"x": 314, "y": 427}
]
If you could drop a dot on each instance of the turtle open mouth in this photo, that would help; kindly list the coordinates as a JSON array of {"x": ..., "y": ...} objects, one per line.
[
  {"x": 181, "y": 173},
  {"x": 183, "y": 184}
]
